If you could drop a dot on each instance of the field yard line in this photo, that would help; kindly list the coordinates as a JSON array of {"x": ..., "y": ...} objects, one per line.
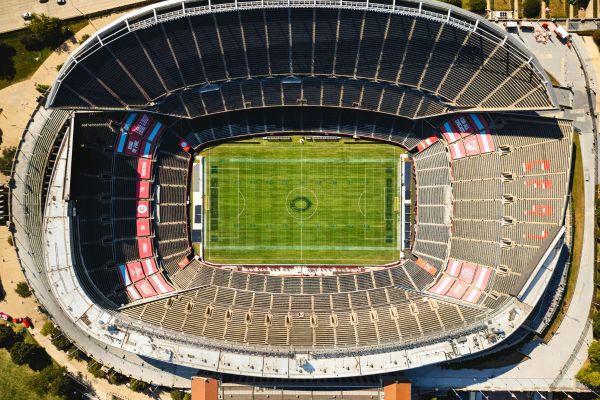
[
  {"x": 373, "y": 174},
  {"x": 301, "y": 247},
  {"x": 332, "y": 160},
  {"x": 237, "y": 229},
  {"x": 301, "y": 214}
]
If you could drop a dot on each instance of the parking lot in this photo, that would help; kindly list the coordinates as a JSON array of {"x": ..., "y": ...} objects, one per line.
[{"x": 11, "y": 15}]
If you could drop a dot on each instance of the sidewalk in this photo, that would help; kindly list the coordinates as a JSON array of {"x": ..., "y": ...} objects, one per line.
[{"x": 18, "y": 101}]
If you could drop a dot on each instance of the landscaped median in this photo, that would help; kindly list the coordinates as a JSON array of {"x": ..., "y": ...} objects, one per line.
[
  {"x": 577, "y": 219},
  {"x": 589, "y": 375}
]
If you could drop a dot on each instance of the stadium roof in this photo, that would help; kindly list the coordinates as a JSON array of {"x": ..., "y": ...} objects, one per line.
[{"x": 443, "y": 58}]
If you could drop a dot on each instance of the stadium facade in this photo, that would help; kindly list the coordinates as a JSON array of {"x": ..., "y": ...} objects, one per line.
[{"x": 107, "y": 162}]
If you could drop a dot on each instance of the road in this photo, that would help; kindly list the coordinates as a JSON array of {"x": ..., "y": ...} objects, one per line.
[{"x": 10, "y": 17}]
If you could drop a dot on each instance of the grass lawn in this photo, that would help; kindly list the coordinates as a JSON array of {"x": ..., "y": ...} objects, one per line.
[
  {"x": 292, "y": 203},
  {"x": 577, "y": 209},
  {"x": 502, "y": 5},
  {"x": 597, "y": 253},
  {"x": 558, "y": 8},
  {"x": 27, "y": 62},
  {"x": 14, "y": 380}
]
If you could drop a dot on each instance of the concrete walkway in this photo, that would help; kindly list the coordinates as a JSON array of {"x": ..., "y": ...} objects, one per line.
[{"x": 18, "y": 101}]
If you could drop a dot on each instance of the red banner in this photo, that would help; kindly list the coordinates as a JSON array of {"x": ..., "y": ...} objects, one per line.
[
  {"x": 135, "y": 270},
  {"x": 142, "y": 189},
  {"x": 142, "y": 209},
  {"x": 145, "y": 247},
  {"x": 144, "y": 168}
]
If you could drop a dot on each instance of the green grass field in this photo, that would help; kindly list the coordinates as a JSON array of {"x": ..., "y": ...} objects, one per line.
[{"x": 292, "y": 203}]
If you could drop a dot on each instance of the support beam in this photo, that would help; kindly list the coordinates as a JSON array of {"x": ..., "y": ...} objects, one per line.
[
  {"x": 395, "y": 390},
  {"x": 204, "y": 388}
]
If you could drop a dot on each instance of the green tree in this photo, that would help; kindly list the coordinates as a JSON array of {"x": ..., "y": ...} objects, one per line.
[
  {"x": 23, "y": 290},
  {"x": 8, "y": 337},
  {"x": 532, "y": 8},
  {"x": 22, "y": 352},
  {"x": 594, "y": 355},
  {"x": 48, "y": 31},
  {"x": 6, "y": 159},
  {"x": 30, "y": 353},
  {"x": 39, "y": 359},
  {"x": 137, "y": 386},
  {"x": 52, "y": 380},
  {"x": 589, "y": 377}
]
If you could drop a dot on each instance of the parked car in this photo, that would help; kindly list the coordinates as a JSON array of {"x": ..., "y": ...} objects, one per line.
[
  {"x": 26, "y": 16},
  {"x": 61, "y": 2},
  {"x": 5, "y": 317}
]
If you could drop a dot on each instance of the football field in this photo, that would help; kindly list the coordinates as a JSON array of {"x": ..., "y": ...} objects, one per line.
[{"x": 300, "y": 204}]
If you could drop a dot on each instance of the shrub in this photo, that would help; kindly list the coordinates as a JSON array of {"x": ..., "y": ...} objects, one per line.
[
  {"x": 84, "y": 38},
  {"x": 59, "y": 66},
  {"x": 532, "y": 8},
  {"x": 10, "y": 241},
  {"x": 8, "y": 337},
  {"x": 596, "y": 325},
  {"x": 589, "y": 377},
  {"x": 7, "y": 64},
  {"x": 6, "y": 159},
  {"x": 61, "y": 342},
  {"x": 477, "y": 6},
  {"x": 179, "y": 395},
  {"x": 116, "y": 378},
  {"x": 596, "y": 36},
  {"x": 42, "y": 88},
  {"x": 76, "y": 354},
  {"x": 23, "y": 290},
  {"x": 137, "y": 386},
  {"x": 48, "y": 329},
  {"x": 95, "y": 369}
]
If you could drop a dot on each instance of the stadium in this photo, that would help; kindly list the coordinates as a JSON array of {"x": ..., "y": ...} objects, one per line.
[{"x": 295, "y": 190}]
